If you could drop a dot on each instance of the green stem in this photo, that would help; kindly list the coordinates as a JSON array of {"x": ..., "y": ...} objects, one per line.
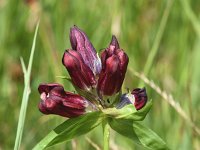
[{"x": 106, "y": 135}]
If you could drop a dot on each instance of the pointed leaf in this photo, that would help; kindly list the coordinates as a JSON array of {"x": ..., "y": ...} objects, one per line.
[
  {"x": 71, "y": 128},
  {"x": 138, "y": 133},
  {"x": 65, "y": 77}
]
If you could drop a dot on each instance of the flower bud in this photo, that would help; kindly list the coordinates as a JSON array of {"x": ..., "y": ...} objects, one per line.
[
  {"x": 54, "y": 100},
  {"x": 80, "y": 73},
  {"x": 80, "y": 43},
  {"x": 108, "y": 82},
  {"x": 138, "y": 97},
  {"x": 114, "y": 65},
  {"x": 114, "y": 43}
]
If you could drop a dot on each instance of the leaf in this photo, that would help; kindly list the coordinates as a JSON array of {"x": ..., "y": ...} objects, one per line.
[
  {"x": 138, "y": 133},
  {"x": 71, "y": 128},
  {"x": 65, "y": 77},
  {"x": 129, "y": 112}
]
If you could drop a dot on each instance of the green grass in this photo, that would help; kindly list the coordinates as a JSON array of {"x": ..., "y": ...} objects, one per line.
[
  {"x": 172, "y": 54},
  {"x": 26, "y": 93}
]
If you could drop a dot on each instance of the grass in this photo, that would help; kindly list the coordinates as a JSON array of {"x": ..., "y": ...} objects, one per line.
[
  {"x": 26, "y": 93},
  {"x": 169, "y": 49},
  {"x": 158, "y": 37}
]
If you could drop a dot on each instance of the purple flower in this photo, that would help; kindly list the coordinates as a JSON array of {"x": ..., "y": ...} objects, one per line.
[
  {"x": 54, "y": 100},
  {"x": 97, "y": 80},
  {"x": 138, "y": 97},
  {"x": 81, "y": 75},
  {"x": 114, "y": 65},
  {"x": 81, "y": 43}
]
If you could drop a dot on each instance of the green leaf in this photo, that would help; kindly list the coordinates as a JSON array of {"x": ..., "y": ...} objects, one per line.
[
  {"x": 138, "y": 133},
  {"x": 65, "y": 77},
  {"x": 129, "y": 112},
  {"x": 71, "y": 128}
]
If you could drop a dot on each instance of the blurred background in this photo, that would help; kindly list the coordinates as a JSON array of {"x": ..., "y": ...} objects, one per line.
[{"x": 161, "y": 38}]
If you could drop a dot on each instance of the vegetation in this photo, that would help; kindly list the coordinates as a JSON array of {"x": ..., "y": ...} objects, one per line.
[{"x": 161, "y": 38}]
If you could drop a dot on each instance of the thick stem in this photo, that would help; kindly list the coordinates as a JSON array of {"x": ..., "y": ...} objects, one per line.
[{"x": 106, "y": 134}]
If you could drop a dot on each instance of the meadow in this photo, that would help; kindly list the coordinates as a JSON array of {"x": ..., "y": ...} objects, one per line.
[{"x": 161, "y": 38}]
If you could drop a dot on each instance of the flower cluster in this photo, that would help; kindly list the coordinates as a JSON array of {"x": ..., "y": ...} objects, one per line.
[{"x": 98, "y": 81}]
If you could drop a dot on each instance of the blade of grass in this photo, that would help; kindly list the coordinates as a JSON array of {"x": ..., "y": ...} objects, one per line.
[
  {"x": 26, "y": 93},
  {"x": 157, "y": 40},
  {"x": 191, "y": 16},
  {"x": 23, "y": 65}
]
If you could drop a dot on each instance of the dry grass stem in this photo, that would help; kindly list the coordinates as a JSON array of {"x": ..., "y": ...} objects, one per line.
[
  {"x": 92, "y": 143},
  {"x": 168, "y": 98}
]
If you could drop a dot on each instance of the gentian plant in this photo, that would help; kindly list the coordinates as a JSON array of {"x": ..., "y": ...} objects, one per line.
[{"x": 99, "y": 99}]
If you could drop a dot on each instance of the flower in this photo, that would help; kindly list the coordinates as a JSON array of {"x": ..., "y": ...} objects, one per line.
[
  {"x": 114, "y": 65},
  {"x": 81, "y": 43},
  {"x": 54, "y": 100},
  {"x": 97, "y": 81},
  {"x": 138, "y": 97},
  {"x": 80, "y": 73}
]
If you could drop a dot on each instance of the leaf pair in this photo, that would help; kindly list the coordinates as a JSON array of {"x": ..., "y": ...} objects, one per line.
[
  {"x": 124, "y": 121},
  {"x": 138, "y": 133}
]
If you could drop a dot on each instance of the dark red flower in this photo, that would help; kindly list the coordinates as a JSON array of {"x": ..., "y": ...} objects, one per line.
[
  {"x": 54, "y": 100},
  {"x": 80, "y": 73},
  {"x": 81, "y": 43},
  {"x": 138, "y": 97},
  {"x": 114, "y": 65}
]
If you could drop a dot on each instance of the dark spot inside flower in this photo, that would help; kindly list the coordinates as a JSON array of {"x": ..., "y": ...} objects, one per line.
[{"x": 108, "y": 100}]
